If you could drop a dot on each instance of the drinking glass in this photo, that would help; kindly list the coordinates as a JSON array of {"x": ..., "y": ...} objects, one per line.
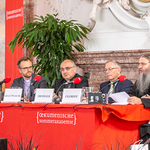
[
  {"x": 85, "y": 92},
  {"x": 26, "y": 96},
  {"x": 1, "y": 96}
]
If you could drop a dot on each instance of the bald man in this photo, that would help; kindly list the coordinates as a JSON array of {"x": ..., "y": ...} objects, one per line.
[{"x": 68, "y": 70}]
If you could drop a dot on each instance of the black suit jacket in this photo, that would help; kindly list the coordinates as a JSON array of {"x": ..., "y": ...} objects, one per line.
[
  {"x": 59, "y": 83},
  {"x": 124, "y": 86},
  {"x": 135, "y": 92},
  {"x": 19, "y": 82}
]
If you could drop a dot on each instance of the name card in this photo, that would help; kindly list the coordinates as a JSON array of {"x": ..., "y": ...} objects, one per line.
[
  {"x": 12, "y": 95},
  {"x": 43, "y": 95},
  {"x": 72, "y": 96}
]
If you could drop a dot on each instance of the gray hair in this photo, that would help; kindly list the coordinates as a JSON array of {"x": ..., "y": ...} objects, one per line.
[
  {"x": 116, "y": 63},
  {"x": 146, "y": 55},
  {"x": 70, "y": 61}
]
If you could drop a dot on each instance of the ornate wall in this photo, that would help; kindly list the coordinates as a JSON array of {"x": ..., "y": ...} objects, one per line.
[
  {"x": 114, "y": 25},
  {"x": 125, "y": 48}
]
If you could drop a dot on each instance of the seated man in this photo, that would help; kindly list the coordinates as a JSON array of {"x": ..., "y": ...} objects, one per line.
[
  {"x": 113, "y": 71},
  {"x": 24, "y": 82},
  {"x": 140, "y": 92},
  {"x": 68, "y": 71}
]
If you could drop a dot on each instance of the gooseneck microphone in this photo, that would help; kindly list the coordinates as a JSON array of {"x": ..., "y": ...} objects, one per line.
[
  {"x": 120, "y": 79},
  {"x": 36, "y": 79},
  {"x": 6, "y": 80},
  {"x": 76, "y": 80}
]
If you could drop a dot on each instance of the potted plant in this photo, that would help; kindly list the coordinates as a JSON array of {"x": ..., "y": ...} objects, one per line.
[{"x": 51, "y": 41}]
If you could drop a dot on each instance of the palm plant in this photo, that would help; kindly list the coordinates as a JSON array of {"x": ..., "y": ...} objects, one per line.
[{"x": 51, "y": 41}]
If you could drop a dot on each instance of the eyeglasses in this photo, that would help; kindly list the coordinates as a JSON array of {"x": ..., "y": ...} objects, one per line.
[
  {"x": 110, "y": 69},
  {"x": 67, "y": 68},
  {"x": 27, "y": 68},
  {"x": 143, "y": 64}
]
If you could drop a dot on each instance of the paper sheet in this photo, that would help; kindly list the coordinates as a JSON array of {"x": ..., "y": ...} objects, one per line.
[{"x": 120, "y": 97}]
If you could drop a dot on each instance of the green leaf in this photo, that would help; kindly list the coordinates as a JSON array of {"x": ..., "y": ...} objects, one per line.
[{"x": 50, "y": 40}]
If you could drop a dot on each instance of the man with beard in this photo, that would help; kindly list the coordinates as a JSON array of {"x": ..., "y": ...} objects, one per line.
[
  {"x": 140, "y": 93},
  {"x": 24, "y": 82}
]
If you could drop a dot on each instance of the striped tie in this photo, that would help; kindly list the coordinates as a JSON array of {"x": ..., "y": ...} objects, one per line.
[{"x": 111, "y": 90}]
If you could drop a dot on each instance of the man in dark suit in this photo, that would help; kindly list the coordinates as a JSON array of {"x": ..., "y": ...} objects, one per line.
[
  {"x": 140, "y": 93},
  {"x": 68, "y": 71},
  {"x": 113, "y": 71},
  {"x": 24, "y": 82}
]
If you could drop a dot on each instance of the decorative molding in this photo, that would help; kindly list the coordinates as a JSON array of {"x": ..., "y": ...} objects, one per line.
[
  {"x": 131, "y": 20},
  {"x": 129, "y": 14}
]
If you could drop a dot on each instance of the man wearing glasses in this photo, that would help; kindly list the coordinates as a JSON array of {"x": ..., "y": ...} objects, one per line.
[
  {"x": 113, "y": 71},
  {"x": 140, "y": 92},
  {"x": 68, "y": 70},
  {"x": 24, "y": 82}
]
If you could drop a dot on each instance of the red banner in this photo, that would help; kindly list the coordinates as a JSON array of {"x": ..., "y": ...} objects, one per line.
[{"x": 13, "y": 23}]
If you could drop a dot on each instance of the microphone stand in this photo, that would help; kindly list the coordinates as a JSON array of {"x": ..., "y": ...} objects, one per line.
[
  {"x": 32, "y": 89},
  {"x": 58, "y": 99},
  {"x": 31, "y": 92},
  {"x": 109, "y": 84},
  {"x": 105, "y": 86}
]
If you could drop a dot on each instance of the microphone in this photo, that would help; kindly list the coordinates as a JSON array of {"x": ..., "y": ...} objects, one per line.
[
  {"x": 36, "y": 79},
  {"x": 76, "y": 80},
  {"x": 120, "y": 79},
  {"x": 6, "y": 80}
]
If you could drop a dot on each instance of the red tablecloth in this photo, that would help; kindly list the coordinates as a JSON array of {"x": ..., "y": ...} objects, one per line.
[{"x": 58, "y": 126}]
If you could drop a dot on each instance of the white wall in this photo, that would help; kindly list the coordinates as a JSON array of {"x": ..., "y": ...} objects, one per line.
[{"x": 108, "y": 33}]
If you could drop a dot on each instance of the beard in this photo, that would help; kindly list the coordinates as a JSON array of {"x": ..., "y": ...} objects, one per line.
[
  {"x": 27, "y": 75},
  {"x": 143, "y": 82}
]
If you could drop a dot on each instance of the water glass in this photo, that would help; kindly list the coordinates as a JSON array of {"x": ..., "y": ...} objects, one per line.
[
  {"x": 85, "y": 92},
  {"x": 1, "y": 96},
  {"x": 26, "y": 96}
]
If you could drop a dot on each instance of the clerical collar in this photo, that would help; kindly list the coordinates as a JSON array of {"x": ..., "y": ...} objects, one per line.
[{"x": 27, "y": 80}]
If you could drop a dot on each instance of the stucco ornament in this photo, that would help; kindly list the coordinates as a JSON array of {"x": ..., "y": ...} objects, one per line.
[
  {"x": 96, "y": 3},
  {"x": 124, "y": 4},
  {"x": 134, "y": 14},
  {"x": 146, "y": 17}
]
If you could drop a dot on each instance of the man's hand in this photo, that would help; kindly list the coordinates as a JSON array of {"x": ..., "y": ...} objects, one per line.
[
  {"x": 134, "y": 100},
  {"x": 146, "y": 96},
  {"x": 54, "y": 95}
]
